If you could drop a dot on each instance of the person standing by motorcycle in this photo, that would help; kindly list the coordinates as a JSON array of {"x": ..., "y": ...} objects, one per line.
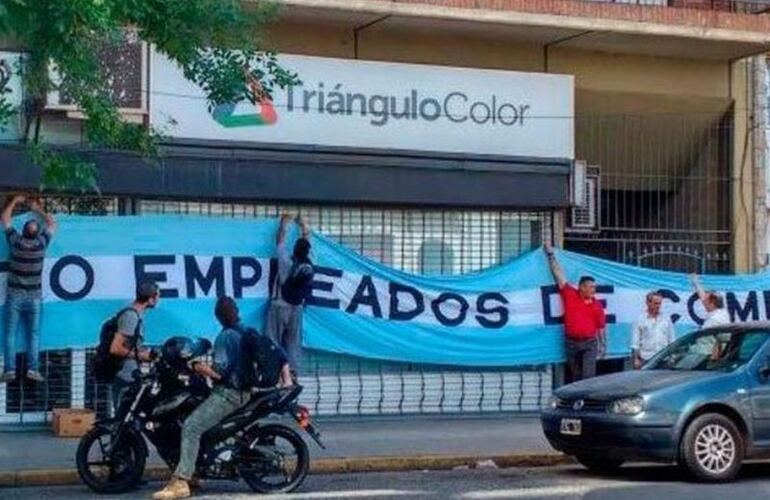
[
  {"x": 232, "y": 389},
  {"x": 127, "y": 343}
]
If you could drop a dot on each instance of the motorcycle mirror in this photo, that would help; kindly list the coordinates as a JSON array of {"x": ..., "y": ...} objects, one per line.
[{"x": 202, "y": 346}]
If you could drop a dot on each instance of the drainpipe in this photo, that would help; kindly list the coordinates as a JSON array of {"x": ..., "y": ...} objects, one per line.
[{"x": 760, "y": 159}]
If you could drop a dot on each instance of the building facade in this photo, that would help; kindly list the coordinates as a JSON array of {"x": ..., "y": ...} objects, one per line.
[{"x": 651, "y": 162}]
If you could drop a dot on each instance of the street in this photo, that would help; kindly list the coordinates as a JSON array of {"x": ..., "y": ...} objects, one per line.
[{"x": 569, "y": 482}]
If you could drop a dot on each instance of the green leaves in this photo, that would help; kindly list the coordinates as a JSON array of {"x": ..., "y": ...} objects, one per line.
[{"x": 216, "y": 42}]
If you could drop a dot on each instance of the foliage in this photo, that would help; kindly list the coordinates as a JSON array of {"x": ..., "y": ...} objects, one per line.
[{"x": 216, "y": 43}]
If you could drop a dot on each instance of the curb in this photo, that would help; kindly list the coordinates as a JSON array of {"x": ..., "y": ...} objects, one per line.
[{"x": 67, "y": 477}]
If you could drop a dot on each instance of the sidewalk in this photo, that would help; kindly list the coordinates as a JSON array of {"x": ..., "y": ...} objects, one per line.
[{"x": 404, "y": 439}]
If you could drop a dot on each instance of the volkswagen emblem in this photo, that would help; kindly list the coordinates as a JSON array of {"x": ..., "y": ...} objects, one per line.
[{"x": 578, "y": 405}]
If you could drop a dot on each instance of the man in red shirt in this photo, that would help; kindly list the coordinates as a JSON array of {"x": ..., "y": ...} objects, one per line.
[{"x": 584, "y": 321}]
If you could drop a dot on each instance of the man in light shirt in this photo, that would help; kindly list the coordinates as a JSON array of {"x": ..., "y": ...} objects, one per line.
[
  {"x": 713, "y": 303},
  {"x": 651, "y": 333}
]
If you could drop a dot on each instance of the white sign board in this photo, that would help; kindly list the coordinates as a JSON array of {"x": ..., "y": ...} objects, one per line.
[{"x": 355, "y": 103}]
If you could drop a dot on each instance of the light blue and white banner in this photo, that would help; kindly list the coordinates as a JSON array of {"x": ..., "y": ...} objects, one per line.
[{"x": 503, "y": 316}]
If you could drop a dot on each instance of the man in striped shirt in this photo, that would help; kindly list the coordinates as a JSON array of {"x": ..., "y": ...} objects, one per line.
[{"x": 24, "y": 297}]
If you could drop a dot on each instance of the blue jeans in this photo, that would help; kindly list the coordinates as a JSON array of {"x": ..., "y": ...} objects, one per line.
[{"x": 27, "y": 311}]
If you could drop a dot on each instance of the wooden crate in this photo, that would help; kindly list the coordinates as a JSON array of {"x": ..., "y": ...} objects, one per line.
[{"x": 72, "y": 422}]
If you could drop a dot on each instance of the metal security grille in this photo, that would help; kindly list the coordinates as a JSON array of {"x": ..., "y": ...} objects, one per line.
[
  {"x": 664, "y": 190},
  {"x": 415, "y": 240},
  {"x": 418, "y": 241}
]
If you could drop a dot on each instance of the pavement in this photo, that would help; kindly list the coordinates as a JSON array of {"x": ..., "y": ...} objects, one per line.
[
  {"x": 31, "y": 458},
  {"x": 543, "y": 483}
]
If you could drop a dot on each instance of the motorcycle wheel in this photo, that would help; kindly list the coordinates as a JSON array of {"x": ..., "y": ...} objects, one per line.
[
  {"x": 104, "y": 473},
  {"x": 277, "y": 460}
]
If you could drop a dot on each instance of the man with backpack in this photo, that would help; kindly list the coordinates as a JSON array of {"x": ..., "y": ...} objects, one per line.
[
  {"x": 120, "y": 343},
  {"x": 289, "y": 290},
  {"x": 242, "y": 359}
]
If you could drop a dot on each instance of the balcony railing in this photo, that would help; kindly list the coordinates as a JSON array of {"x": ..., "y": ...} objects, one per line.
[{"x": 736, "y": 6}]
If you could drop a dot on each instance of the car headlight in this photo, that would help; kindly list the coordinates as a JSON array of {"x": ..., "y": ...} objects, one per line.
[
  {"x": 555, "y": 402},
  {"x": 627, "y": 406}
]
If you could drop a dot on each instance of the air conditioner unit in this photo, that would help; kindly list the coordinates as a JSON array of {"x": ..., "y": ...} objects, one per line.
[
  {"x": 585, "y": 218},
  {"x": 126, "y": 66}
]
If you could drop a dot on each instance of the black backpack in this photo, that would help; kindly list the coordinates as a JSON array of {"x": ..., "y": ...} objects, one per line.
[
  {"x": 105, "y": 364},
  {"x": 296, "y": 289},
  {"x": 262, "y": 360}
]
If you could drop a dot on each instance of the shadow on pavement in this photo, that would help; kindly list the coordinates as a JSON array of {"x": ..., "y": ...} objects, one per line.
[{"x": 655, "y": 473}]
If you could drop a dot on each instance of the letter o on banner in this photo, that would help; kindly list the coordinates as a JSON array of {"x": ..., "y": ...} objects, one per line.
[
  {"x": 444, "y": 319},
  {"x": 58, "y": 269}
]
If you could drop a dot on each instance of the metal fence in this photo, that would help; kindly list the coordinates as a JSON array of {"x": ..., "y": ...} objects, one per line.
[
  {"x": 736, "y": 6},
  {"x": 415, "y": 240},
  {"x": 664, "y": 190}
]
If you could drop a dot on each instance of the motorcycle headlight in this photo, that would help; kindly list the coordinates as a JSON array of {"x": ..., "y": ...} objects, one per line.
[
  {"x": 555, "y": 402},
  {"x": 627, "y": 406}
]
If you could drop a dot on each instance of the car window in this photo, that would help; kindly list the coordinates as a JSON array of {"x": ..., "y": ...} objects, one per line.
[{"x": 710, "y": 351}]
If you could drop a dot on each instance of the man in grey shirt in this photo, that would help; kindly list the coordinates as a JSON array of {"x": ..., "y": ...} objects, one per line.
[
  {"x": 127, "y": 343},
  {"x": 288, "y": 292},
  {"x": 24, "y": 301}
]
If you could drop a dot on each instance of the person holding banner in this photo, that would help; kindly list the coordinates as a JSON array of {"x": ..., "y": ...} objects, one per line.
[
  {"x": 713, "y": 303},
  {"x": 584, "y": 321},
  {"x": 651, "y": 333},
  {"x": 24, "y": 300},
  {"x": 289, "y": 290}
]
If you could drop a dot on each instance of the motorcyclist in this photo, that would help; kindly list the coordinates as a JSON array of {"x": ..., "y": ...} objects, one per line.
[{"x": 231, "y": 391}]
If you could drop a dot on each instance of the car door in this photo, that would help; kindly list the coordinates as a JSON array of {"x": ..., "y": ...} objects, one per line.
[{"x": 760, "y": 398}]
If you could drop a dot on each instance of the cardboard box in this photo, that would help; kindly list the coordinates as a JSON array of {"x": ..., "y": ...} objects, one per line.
[{"x": 72, "y": 422}]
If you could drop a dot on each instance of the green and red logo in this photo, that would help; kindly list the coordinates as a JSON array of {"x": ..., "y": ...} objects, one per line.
[{"x": 265, "y": 114}]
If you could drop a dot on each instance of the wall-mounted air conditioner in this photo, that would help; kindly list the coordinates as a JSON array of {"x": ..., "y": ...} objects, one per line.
[
  {"x": 585, "y": 189},
  {"x": 126, "y": 66}
]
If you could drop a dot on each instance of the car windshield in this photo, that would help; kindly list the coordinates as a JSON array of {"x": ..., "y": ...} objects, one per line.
[{"x": 710, "y": 351}]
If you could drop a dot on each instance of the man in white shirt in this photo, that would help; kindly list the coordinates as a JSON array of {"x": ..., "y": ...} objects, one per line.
[
  {"x": 713, "y": 303},
  {"x": 651, "y": 333}
]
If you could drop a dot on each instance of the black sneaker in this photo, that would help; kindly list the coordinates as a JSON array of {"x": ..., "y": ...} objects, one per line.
[
  {"x": 35, "y": 376},
  {"x": 9, "y": 377}
]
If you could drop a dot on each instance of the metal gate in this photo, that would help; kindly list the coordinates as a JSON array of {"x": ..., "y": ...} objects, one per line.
[{"x": 414, "y": 240}]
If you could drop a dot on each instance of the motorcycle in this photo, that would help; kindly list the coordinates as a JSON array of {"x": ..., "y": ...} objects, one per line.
[{"x": 269, "y": 457}]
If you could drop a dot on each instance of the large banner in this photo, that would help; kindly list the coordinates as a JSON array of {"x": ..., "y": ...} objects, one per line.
[{"x": 503, "y": 316}]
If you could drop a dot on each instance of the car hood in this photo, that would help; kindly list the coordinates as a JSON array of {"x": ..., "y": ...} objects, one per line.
[{"x": 629, "y": 383}]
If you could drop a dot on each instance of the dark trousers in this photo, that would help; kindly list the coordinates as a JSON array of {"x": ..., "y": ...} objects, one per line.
[{"x": 581, "y": 358}]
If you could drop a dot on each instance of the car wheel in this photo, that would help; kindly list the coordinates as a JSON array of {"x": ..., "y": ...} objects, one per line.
[
  {"x": 599, "y": 464},
  {"x": 712, "y": 448}
]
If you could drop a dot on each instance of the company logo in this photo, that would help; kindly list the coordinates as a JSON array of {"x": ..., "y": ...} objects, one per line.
[
  {"x": 578, "y": 405},
  {"x": 381, "y": 109},
  {"x": 265, "y": 114}
]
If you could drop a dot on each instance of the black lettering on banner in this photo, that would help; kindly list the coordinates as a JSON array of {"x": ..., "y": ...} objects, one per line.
[
  {"x": 501, "y": 311},
  {"x": 324, "y": 286},
  {"x": 606, "y": 290},
  {"x": 673, "y": 297},
  {"x": 160, "y": 277},
  {"x": 545, "y": 296},
  {"x": 214, "y": 277},
  {"x": 441, "y": 317},
  {"x": 58, "y": 268},
  {"x": 239, "y": 280},
  {"x": 366, "y": 295},
  {"x": 691, "y": 309},
  {"x": 750, "y": 310},
  {"x": 397, "y": 314}
]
